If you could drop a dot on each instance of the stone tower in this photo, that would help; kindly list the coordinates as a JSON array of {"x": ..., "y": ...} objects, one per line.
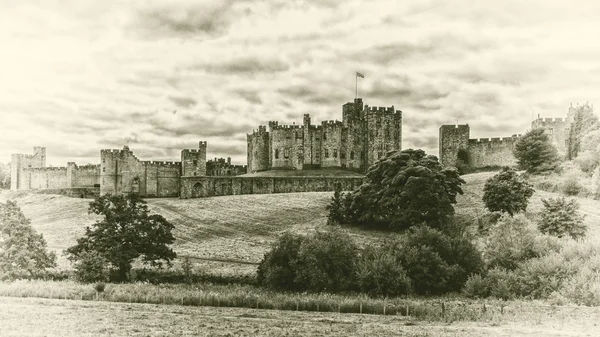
[
  {"x": 193, "y": 161},
  {"x": 23, "y": 161},
  {"x": 453, "y": 138}
]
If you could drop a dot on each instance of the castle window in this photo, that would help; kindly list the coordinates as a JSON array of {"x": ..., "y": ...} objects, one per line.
[
  {"x": 378, "y": 154},
  {"x": 195, "y": 162},
  {"x": 317, "y": 138},
  {"x": 334, "y": 153},
  {"x": 104, "y": 169},
  {"x": 276, "y": 153},
  {"x": 326, "y": 153},
  {"x": 286, "y": 153},
  {"x": 351, "y": 154},
  {"x": 343, "y": 154},
  {"x": 287, "y": 135},
  {"x": 387, "y": 132},
  {"x": 298, "y": 134},
  {"x": 324, "y": 135},
  {"x": 551, "y": 131}
]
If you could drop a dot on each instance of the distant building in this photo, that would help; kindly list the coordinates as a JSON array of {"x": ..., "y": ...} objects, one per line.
[{"x": 363, "y": 136}]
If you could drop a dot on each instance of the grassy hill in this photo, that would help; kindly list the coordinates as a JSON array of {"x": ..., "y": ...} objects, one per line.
[{"x": 230, "y": 234}]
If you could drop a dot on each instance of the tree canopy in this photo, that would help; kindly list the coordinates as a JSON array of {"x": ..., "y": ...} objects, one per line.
[
  {"x": 507, "y": 192},
  {"x": 126, "y": 232},
  {"x": 402, "y": 189},
  {"x": 23, "y": 252},
  {"x": 535, "y": 153}
]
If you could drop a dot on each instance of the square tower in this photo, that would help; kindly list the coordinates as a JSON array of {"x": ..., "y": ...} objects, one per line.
[{"x": 193, "y": 161}]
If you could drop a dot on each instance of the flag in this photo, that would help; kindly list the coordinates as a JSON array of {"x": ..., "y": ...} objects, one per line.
[{"x": 360, "y": 75}]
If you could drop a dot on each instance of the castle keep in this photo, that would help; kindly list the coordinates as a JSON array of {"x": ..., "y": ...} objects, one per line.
[{"x": 363, "y": 136}]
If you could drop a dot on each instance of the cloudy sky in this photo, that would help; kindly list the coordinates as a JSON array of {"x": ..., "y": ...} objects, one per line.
[{"x": 78, "y": 76}]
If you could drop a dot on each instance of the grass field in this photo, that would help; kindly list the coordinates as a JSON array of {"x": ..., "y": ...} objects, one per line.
[
  {"x": 43, "y": 317},
  {"x": 230, "y": 234}
]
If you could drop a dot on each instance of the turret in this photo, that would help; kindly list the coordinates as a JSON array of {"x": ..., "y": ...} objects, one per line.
[{"x": 193, "y": 161}]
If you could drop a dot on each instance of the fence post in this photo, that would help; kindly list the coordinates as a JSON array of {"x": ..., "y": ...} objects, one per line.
[
  {"x": 339, "y": 307},
  {"x": 361, "y": 307},
  {"x": 443, "y": 310},
  {"x": 296, "y": 305},
  {"x": 317, "y": 307},
  {"x": 407, "y": 310},
  {"x": 257, "y": 303},
  {"x": 383, "y": 307}
]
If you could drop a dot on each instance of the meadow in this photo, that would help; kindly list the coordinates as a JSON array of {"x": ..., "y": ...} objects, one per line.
[{"x": 229, "y": 235}]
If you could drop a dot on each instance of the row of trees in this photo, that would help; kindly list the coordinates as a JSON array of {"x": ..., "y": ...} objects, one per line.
[{"x": 127, "y": 232}]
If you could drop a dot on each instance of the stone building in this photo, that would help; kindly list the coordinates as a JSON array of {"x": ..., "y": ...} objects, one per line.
[
  {"x": 455, "y": 144},
  {"x": 363, "y": 136},
  {"x": 221, "y": 167}
]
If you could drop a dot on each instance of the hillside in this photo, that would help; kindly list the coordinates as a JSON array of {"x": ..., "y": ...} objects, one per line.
[{"x": 231, "y": 233}]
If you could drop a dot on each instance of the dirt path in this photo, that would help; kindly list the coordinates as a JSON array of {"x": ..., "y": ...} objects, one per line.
[{"x": 65, "y": 318}]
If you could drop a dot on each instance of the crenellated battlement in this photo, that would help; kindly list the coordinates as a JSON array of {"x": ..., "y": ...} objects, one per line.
[
  {"x": 50, "y": 168},
  {"x": 550, "y": 120},
  {"x": 331, "y": 123},
  {"x": 381, "y": 110},
  {"x": 162, "y": 163},
  {"x": 286, "y": 127},
  {"x": 496, "y": 140}
]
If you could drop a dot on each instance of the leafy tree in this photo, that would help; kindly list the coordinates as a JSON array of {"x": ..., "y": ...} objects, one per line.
[
  {"x": 507, "y": 192},
  {"x": 4, "y": 176},
  {"x": 126, "y": 233},
  {"x": 560, "y": 217},
  {"x": 278, "y": 267},
  {"x": 23, "y": 252},
  {"x": 380, "y": 273},
  {"x": 336, "y": 207},
  {"x": 326, "y": 262},
  {"x": 323, "y": 261},
  {"x": 584, "y": 121},
  {"x": 535, "y": 153},
  {"x": 402, "y": 189}
]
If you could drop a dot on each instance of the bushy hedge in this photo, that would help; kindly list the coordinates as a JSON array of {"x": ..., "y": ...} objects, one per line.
[{"x": 425, "y": 261}]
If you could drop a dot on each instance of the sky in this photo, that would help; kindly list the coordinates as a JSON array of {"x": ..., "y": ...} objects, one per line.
[{"x": 78, "y": 76}]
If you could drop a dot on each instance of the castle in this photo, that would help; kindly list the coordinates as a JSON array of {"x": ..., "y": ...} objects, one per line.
[
  {"x": 120, "y": 172},
  {"x": 355, "y": 143},
  {"x": 363, "y": 136},
  {"x": 456, "y": 146}
]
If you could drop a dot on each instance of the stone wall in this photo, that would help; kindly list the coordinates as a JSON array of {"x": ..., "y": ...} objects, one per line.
[
  {"x": 556, "y": 129},
  {"x": 492, "y": 152},
  {"x": 200, "y": 187}
]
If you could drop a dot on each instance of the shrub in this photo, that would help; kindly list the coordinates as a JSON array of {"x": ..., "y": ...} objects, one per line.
[
  {"x": 91, "y": 267},
  {"x": 539, "y": 277},
  {"x": 379, "y": 273},
  {"x": 511, "y": 241},
  {"x": 476, "y": 287},
  {"x": 571, "y": 186},
  {"x": 561, "y": 218},
  {"x": 437, "y": 263},
  {"x": 326, "y": 262},
  {"x": 278, "y": 267},
  {"x": 507, "y": 192}
]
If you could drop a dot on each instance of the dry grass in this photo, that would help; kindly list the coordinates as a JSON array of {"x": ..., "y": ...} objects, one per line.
[
  {"x": 241, "y": 228},
  {"x": 43, "y": 317}
]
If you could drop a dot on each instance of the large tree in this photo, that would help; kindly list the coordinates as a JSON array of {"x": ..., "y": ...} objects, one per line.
[
  {"x": 23, "y": 252},
  {"x": 403, "y": 189},
  {"x": 126, "y": 232},
  {"x": 507, "y": 192},
  {"x": 535, "y": 153}
]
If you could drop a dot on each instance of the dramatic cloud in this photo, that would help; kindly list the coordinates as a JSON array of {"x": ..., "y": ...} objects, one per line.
[{"x": 78, "y": 76}]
